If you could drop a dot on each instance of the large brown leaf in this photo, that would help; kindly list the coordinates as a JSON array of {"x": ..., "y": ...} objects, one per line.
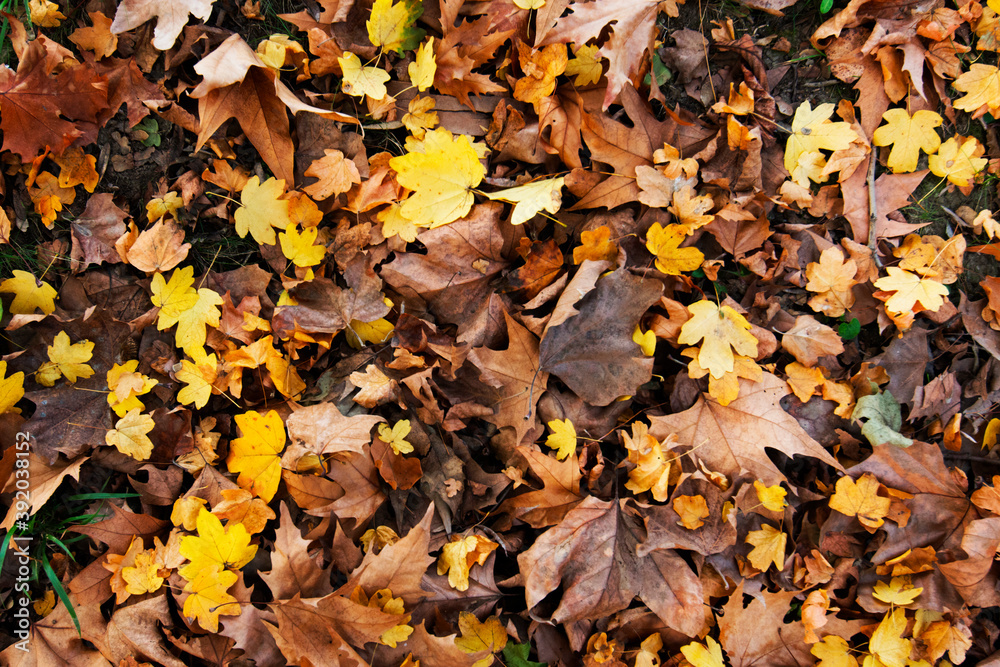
[
  {"x": 560, "y": 492},
  {"x": 293, "y": 571},
  {"x": 591, "y": 553},
  {"x": 593, "y": 351},
  {"x": 733, "y": 439}
]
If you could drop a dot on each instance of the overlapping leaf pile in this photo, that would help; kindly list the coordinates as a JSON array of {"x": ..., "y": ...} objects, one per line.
[{"x": 525, "y": 361}]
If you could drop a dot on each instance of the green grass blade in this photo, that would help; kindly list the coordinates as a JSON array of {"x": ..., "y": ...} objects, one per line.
[{"x": 61, "y": 592}]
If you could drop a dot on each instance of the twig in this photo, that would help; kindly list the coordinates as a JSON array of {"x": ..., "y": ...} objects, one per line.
[
  {"x": 872, "y": 212},
  {"x": 959, "y": 456}
]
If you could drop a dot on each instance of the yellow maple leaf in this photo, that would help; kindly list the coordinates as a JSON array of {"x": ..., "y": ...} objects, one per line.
[
  {"x": 691, "y": 510},
  {"x": 861, "y": 499},
  {"x": 116, "y": 563},
  {"x": 360, "y": 81},
  {"x": 129, "y": 435},
  {"x": 126, "y": 386},
  {"x": 458, "y": 556},
  {"x": 29, "y": 294},
  {"x": 391, "y": 25},
  {"x": 255, "y": 455},
  {"x": 723, "y": 330},
  {"x": 209, "y": 598},
  {"x": 804, "y": 381},
  {"x": 420, "y": 116},
  {"x": 646, "y": 341},
  {"x": 942, "y": 637},
  {"x": 240, "y": 506},
  {"x": 45, "y": 13},
  {"x": 77, "y": 168},
  {"x": 595, "y": 244},
  {"x": 377, "y": 538},
  {"x": 167, "y": 205},
  {"x": 887, "y": 642},
  {"x": 422, "y": 70},
  {"x": 671, "y": 259},
  {"x": 395, "y": 437},
  {"x": 771, "y": 497},
  {"x": 689, "y": 208},
  {"x": 700, "y": 655},
  {"x": 49, "y": 198},
  {"x": 476, "y": 636},
  {"x": 531, "y": 199},
  {"x": 441, "y": 176},
  {"x": 741, "y": 102},
  {"x": 812, "y": 130},
  {"x": 376, "y": 387},
  {"x": 649, "y": 651},
  {"x": 958, "y": 162},
  {"x": 769, "y": 547},
  {"x": 66, "y": 360},
  {"x": 199, "y": 374},
  {"x": 144, "y": 576},
  {"x": 215, "y": 548},
  {"x": 192, "y": 323},
  {"x": 377, "y": 332},
  {"x": 981, "y": 85},
  {"x": 833, "y": 651},
  {"x": 562, "y": 438},
  {"x": 908, "y": 135},
  {"x": 910, "y": 290},
  {"x": 394, "y": 224},
  {"x": 653, "y": 470},
  {"x": 173, "y": 297},
  {"x": 186, "y": 511},
  {"x": 540, "y": 70},
  {"x": 899, "y": 591},
  {"x": 300, "y": 247},
  {"x": 833, "y": 280},
  {"x": 586, "y": 65},
  {"x": 261, "y": 210},
  {"x": 11, "y": 389}
]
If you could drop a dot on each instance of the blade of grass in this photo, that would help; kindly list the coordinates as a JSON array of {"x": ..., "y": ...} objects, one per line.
[{"x": 61, "y": 592}]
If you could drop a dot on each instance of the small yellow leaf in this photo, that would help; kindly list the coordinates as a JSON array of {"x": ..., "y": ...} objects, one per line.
[
  {"x": 861, "y": 499},
  {"x": 908, "y": 135},
  {"x": 11, "y": 389},
  {"x": 144, "y": 576},
  {"x": 690, "y": 209},
  {"x": 981, "y": 85},
  {"x": 887, "y": 642},
  {"x": 646, "y": 341},
  {"x": 958, "y": 162},
  {"x": 360, "y": 81},
  {"x": 530, "y": 199},
  {"x": 597, "y": 245},
  {"x": 723, "y": 330},
  {"x": 562, "y": 438},
  {"x": 215, "y": 548},
  {"x": 66, "y": 360},
  {"x": 255, "y": 455},
  {"x": 199, "y": 376},
  {"x": 671, "y": 259},
  {"x": 458, "y": 556},
  {"x": 395, "y": 437},
  {"x": 813, "y": 131},
  {"x": 423, "y": 68},
  {"x": 29, "y": 294},
  {"x": 833, "y": 651},
  {"x": 769, "y": 547},
  {"x": 489, "y": 635},
  {"x": 700, "y": 655},
  {"x": 585, "y": 66},
  {"x": 391, "y": 25},
  {"x": 129, "y": 435},
  {"x": 300, "y": 247},
  {"x": 528, "y": 5},
  {"x": 208, "y": 598},
  {"x": 910, "y": 290},
  {"x": 771, "y": 497},
  {"x": 899, "y": 591},
  {"x": 261, "y": 210},
  {"x": 691, "y": 510}
]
